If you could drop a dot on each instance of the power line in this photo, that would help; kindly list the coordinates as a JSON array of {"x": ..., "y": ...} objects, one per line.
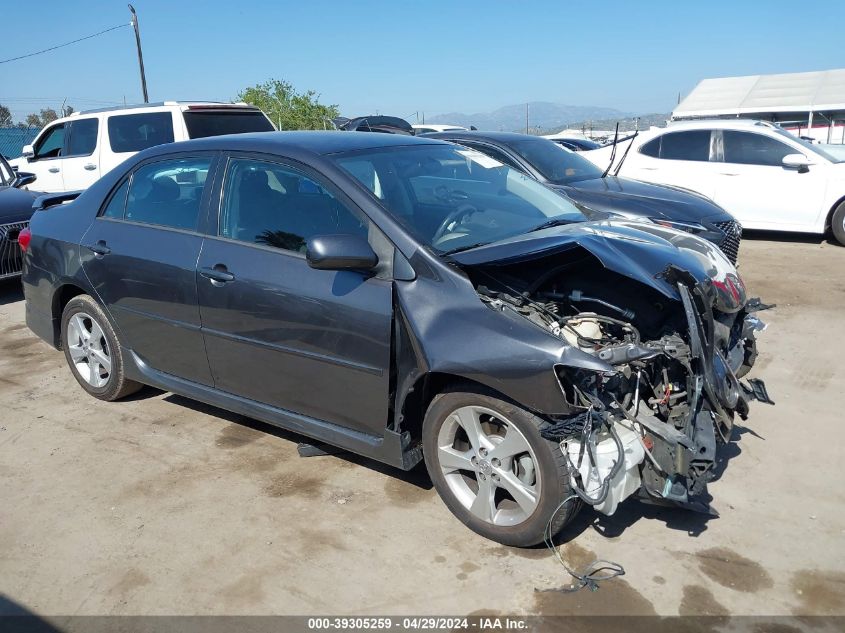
[{"x": 52, "y": 48}]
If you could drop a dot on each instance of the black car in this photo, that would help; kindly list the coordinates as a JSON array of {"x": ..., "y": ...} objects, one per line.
[
  {"x": 576, "y": 144},
  {"x": 406, "y": 299},
  {"x": 586, "y": 184},
  {"x": 15, "y": 211}
]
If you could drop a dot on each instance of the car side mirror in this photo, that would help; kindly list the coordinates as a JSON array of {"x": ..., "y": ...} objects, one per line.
[
  {"x": 24, "y": 178},
  {"x": 27, "y": 151},
  {"x": 797, "y": 161},
  {"x": 340, "y": 252}
]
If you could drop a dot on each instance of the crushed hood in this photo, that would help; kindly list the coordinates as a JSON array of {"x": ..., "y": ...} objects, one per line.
[{"x": 638, "y": 250}]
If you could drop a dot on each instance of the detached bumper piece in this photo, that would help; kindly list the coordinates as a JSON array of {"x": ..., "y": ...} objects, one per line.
[
  {"x": 756, "y": 389},
  {"x": 11, "y": 257}
]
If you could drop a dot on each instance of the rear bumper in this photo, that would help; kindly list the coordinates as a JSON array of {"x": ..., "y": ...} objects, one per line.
[
  {"x": 42, "y": 325},
  {"x": 38, "y": 291}
]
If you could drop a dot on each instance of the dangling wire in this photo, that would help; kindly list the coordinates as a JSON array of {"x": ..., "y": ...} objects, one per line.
[{"x": 591, "y": 575}]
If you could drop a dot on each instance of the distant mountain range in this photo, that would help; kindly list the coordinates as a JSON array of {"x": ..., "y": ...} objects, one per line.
[
  {"x": 547, "y": 117},
  {"x": 541, "y": 114},
  {"x": 626, "y": 124}
]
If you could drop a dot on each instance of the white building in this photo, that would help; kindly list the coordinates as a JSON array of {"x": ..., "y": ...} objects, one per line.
[{"x": 808, "y": 104}]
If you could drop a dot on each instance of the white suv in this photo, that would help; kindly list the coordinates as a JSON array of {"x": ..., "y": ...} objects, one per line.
[
  {"x": 73, "y": 152},
  {"x": 764, "y": 176}
]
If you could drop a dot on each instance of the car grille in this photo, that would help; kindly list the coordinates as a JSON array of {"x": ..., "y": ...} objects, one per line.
[
  {"x": 11, "y": 257},
  {"x": 733, "y": 234}
]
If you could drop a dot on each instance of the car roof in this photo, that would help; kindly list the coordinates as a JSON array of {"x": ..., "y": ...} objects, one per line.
[
  {"x": 314, "y": 142},
  {"x": 162, "y": 104},
  {"x": 500, "y": 137},
  {"x": 730, "y": 124}
]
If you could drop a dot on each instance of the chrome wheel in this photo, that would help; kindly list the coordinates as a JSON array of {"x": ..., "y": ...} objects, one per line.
[
  {"x": 488, "y": 465},
  {"x": 88, "y": 349}
]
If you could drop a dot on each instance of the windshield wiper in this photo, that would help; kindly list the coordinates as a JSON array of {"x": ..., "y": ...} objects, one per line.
[
  {"x": 550, "y": 223},
  {"x": 612, "y": 151},
  {"x": 460, "y": 249}
]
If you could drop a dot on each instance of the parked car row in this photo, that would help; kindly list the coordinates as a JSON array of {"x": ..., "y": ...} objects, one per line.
[
  {"x": 766, "y": 177},
  {"x": 602, "y": 194},
  {"x": 412, "y": 299}
]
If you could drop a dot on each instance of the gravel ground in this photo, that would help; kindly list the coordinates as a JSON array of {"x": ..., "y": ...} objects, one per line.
[{"x": 161, "y": 505}]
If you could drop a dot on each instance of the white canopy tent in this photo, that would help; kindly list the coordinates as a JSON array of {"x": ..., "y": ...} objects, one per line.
[{"x": 814, "y": 101}]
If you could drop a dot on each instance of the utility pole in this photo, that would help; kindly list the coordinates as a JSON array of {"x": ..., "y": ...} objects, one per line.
[
  {"x": 134, "y": 23},
  {"x": 527, "y": 106}
]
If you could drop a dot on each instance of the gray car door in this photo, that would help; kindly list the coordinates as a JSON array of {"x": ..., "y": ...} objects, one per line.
[
  {"x": 313, "y": 342},
  {"x": 140, "y": 255}
]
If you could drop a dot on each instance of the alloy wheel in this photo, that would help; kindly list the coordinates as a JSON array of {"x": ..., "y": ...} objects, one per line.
[
  {"x": 488, "y": 465},
  {"x": 89, "y": 349}
]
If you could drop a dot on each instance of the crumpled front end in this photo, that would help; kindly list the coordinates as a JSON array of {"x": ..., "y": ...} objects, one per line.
[{"x": 672, "y": 354}]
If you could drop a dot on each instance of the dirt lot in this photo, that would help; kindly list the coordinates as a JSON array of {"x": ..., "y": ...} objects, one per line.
[{"x": 165, "y": 506}]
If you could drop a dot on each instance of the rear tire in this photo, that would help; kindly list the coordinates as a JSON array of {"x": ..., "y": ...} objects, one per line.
[
  {"x": 476, "y": 471},
  {"x": 92, "y": 350},
  {"x": 837, "y": 224}
]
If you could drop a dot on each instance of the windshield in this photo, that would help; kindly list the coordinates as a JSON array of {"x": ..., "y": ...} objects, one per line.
[
  {"x": 555, "y": 163},
  {"x": 809, "y": 146},
  {"x": 452, "y": 199}
]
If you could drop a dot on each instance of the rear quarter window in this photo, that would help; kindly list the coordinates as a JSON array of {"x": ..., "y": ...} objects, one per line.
[
  {"x": 134, "y": 132},
  {"x": 214, "y": 123}
]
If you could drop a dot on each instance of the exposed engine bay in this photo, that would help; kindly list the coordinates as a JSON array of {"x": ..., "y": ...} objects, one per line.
[{"x": 647, "y": 420}]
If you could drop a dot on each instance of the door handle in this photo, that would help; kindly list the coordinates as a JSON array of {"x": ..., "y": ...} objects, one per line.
[
  {"x": 53, "y": 170},
  {"x": 99, "y": 249},
  {"x": 218, "y": 275},
  {"x": 90, "y": 167}
]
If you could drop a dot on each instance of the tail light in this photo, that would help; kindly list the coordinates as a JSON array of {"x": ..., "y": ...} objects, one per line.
[{"x": 24, "y": 237}]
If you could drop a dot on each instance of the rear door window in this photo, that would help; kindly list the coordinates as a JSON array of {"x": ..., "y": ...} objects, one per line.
[
  {"x": 168, "y": 193},
  {"x": 214, "y": 123},
  {"x": 83, "y": 137},
  {"x": 747, "y": 148},
  {"x": 134, "y": 132},
  {"x": 692, "y": 145}
]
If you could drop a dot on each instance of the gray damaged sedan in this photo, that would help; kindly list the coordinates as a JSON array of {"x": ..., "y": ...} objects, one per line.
[{"x": 406, "y": 299}]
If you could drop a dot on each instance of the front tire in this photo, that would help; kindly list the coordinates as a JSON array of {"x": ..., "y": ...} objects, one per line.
[
  {"x": 493, "y": 469},
  {"x": 92, "y": 350},
  {"x": 837, "y": 224}
]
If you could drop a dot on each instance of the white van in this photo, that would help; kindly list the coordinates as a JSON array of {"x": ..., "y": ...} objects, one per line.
[{"x": 73, "y": 152}]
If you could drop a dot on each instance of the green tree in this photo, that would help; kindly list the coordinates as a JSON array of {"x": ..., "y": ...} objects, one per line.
[
  {"x": 47, "y": 115},
  {"x": 5, "y": 116},
  {"x": 287, "y": 108}
]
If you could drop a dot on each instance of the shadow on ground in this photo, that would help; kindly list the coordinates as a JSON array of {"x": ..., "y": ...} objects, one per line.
[
  {"x": 417, "y": 476},
  {"x": 11, "y": 291},
  {"x": 782, "y": 236}
]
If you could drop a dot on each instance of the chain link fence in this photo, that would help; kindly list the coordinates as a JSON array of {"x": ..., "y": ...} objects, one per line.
[{"x": 12, "y": 139}]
